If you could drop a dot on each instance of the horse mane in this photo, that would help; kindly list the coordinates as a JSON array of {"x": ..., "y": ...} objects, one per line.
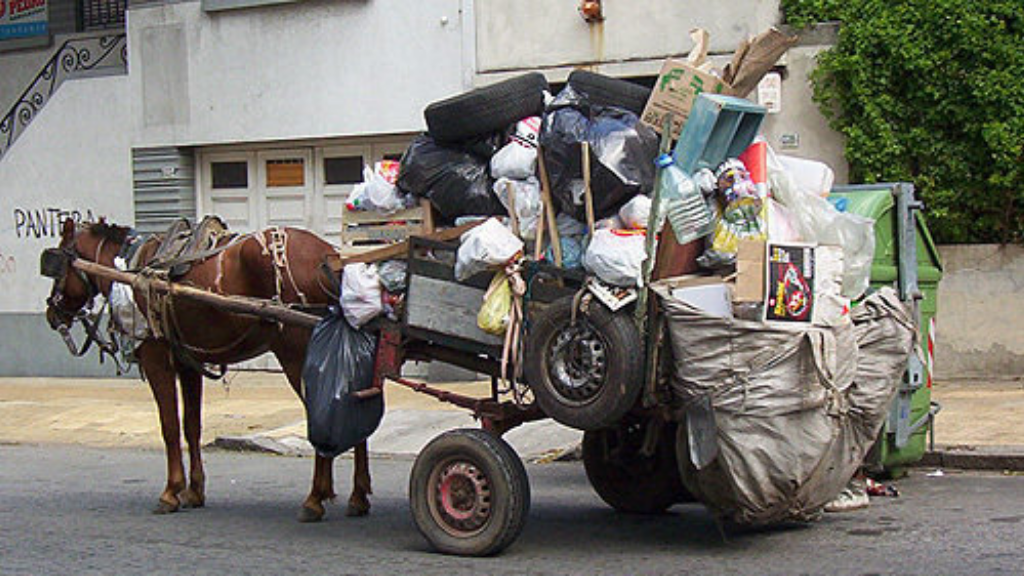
[{"x": 111, "y": 232}]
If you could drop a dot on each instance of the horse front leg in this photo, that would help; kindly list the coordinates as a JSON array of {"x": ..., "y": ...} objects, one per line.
[
  {"x": 192, "y": 395},
  {"x": 156, "y": 365},
  {"x": 358, "y": 503},
  {"x": 323, "y": 489}
]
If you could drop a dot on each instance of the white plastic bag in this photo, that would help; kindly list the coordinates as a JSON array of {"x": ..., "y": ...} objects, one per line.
[
  {"x": 528, "y": 204},
  {"x": 616, "y": 257},
  {"x": 518, "y": 159},
  {"x": 818, "y": 221},
  {"x": 489, "y": 244},
  {"x": 375, "y": 193},
  {"x": 126, "y": 315},
  {"x": 636, "y": 212},
  {"x": 361, "y": 293}
]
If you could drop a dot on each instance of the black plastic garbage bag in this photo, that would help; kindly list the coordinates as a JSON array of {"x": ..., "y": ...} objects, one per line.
[
  {"x": 339, "y": 361},
  {"x": 622, "y": 152},
  {"x": 456, "y": 182}
]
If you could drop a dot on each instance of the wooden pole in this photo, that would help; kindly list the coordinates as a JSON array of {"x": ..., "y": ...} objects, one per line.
[
  {"x": 588, "y": 195},
  {"x": 235, "y": 304},
  {"x": 549, "y": 208}
]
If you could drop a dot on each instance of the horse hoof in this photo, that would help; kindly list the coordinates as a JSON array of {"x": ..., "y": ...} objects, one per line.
[
  {"x": 309, "y": 515},
  {"x": 190, "y": 499},
  {"x": 165, "y": 508},
  {"x": 355, "y": 510}
]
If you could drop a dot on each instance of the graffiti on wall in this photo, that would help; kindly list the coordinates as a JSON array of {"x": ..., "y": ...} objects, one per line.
[
  {"x": 45, "y": 222},
  {"x": 8, "y": 265}
]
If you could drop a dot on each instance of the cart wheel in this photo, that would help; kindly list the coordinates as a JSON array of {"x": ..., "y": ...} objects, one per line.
[
  {"x": 627, "y": 480},
  {"x": 469, "y": 493},
  {"x": 587, "y": 375}
]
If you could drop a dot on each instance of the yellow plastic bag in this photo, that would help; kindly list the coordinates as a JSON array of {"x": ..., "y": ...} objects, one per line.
[{"x": 493, "y": 315}]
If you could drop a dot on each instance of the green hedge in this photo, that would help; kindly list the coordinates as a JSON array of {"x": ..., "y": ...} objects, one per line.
[{"x": 930, "y": 91}]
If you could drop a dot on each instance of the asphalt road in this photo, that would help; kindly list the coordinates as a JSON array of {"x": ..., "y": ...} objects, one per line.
[{"x": 72, "y": 510}]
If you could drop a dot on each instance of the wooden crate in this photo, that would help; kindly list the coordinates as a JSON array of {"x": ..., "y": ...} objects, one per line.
[{"x": 368, "y": 229}]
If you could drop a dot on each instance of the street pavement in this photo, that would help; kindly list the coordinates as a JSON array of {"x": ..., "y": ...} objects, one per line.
[
  {"x": 981, "y": 423},
  {"x": 84, "y": 511}
]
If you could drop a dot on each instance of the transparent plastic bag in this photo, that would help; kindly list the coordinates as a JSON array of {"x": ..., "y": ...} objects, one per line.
[
  {"x": 818, "y": 221},
  {"x": 622, "y": 151},
  {"x": 493, "y": 315},
  {"x": 527, "y": 202},
  {"x": 636, "y": 212},
  {"x": 360, "y": 293},
  {"x": 377, "y": 192}
]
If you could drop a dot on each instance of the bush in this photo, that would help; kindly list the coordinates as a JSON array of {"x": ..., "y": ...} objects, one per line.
[{"x": 932, "y": 92}]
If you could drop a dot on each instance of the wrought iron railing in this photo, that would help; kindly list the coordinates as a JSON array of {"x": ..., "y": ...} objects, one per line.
[{"x": 76, "y": 57}]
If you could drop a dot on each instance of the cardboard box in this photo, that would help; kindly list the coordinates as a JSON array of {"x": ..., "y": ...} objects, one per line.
[
  {"x": 678, "y": 86},
  {"x": 750, "y": 271}
]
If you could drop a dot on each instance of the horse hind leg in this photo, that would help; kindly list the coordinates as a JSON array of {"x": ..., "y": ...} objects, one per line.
[
  {"x": 358, "y": 502},
  {"x": 155, "y": 362},
  {"x": 194, "y": 496}
]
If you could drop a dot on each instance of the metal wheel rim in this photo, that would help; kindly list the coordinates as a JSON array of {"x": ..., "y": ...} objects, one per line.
[
  {"x": 459, "y": 497},
  {"x": 577, "y": 363}
]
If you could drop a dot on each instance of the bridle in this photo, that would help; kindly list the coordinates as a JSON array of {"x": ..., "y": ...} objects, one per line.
[{"x": 58, "y": 263}]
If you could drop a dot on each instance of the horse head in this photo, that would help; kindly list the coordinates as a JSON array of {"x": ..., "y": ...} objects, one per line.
[{"x": 73, "y": 290}]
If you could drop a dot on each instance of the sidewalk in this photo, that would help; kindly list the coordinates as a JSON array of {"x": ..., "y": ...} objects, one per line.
[
  {"x": 247, "y": 410},
  {"x": 259, "y": 411}
]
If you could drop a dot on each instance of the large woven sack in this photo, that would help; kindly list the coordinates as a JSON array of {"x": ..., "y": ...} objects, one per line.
[{"x": 778, "y": 419}]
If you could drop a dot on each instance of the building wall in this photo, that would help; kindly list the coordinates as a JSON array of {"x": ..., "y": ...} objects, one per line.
[
  {"x": 74, "y": 160},
  {"x": 634, "y": 37},
  {"x": 980, "y": 317},
  {"x": 312, "y": 69}
]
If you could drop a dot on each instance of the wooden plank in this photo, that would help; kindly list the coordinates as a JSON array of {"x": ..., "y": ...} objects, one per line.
[
  {"x": 336, "y": 261},
  {"x": 370, "y": 216},
  {"x": 447, "y": 308},
  {"x": 381, "y": 232}
]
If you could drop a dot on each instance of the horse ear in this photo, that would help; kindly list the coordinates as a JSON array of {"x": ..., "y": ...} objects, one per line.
[{"x": 67, "y": 230}]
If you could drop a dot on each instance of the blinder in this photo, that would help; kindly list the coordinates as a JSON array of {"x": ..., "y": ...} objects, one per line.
[{"x": 54, "y": 263}]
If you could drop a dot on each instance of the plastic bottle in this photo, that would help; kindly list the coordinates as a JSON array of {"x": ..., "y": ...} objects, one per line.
[{"x": 685, "y": 207}]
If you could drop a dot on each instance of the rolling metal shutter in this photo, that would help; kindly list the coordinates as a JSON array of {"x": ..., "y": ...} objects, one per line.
[{"x": 164, "y": 187}]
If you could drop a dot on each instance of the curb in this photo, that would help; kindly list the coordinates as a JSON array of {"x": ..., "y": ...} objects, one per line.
[
  {"x": 298, "y": 447},
  {"x": 976, "y": 458}
]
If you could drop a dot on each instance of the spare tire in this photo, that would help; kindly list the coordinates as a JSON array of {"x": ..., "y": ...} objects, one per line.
[
  {"x": 486, "y": 109},
  {"x": 588, "y": 374},
  {"x": 603, "y": 90}
]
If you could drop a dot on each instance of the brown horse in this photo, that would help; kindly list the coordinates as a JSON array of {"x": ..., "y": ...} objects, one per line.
[{"x": 256, "y": 265}]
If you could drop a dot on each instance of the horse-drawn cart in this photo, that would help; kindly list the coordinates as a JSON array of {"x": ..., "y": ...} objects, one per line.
[{"x": 469, "y": 492}]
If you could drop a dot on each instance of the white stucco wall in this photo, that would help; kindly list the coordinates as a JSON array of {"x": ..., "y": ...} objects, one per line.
[
  {"x": 801, "y": 118},
  {"x": 633, "y": 39},
  {"x": 74, "y": 157},
  {"x": 980, "y": 314},
  {"x": 319, "y": 68}
]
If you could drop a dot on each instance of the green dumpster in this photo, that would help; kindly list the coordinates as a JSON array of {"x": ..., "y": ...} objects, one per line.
[{"x": 896, "y": 213}]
